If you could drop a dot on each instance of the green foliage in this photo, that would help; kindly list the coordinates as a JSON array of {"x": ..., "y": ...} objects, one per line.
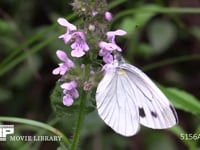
[
  {"x": 183, "y": 100},
  {"x": 161, "y": 34}
]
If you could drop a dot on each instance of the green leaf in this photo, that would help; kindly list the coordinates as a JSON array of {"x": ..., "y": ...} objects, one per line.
[
  {"x": 161, "y": 35},
  {"x": 25, "y": 73},
  {"x": 137, "y": 20},
  {"x": 7, "y": 27},
  {"x": 128, "y": 24},
  {"x": 151, "y": 141},
  {"x": 92, "y": 124},
  {"x": 183, "y": 100},
  {"x": 5, "y": 94},
  {"x": 196, "y": 32},
  {"x": 145, "y": 50},
  {"x": 142, "y": 18}
]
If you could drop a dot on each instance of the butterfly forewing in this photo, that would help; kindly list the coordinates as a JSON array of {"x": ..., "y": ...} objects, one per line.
[{"x": 115, "y": 105}]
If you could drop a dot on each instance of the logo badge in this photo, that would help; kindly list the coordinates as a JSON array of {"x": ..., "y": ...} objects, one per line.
[{"x": 5, "y": 130}]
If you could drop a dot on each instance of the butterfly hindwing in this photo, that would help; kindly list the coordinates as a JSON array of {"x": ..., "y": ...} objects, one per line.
[{"x": 154, "y": 108}]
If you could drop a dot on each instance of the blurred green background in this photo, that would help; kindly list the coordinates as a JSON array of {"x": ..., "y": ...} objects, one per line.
[{"x": 164, "y": 42}]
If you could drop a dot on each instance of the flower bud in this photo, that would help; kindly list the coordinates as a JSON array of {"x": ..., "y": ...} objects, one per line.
[{"x": 108, "y": 16}]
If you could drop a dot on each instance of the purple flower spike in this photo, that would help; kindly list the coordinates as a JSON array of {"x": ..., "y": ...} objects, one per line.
[
  {"x": 69, "y": 28},
  {"x": 70, "y": 92},
  {"x": 65, "y": 66},
  {"x": 79, "y": 47}
]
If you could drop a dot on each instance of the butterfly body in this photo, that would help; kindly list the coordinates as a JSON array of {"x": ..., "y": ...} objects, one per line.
[{"x": 126, "y": 98}]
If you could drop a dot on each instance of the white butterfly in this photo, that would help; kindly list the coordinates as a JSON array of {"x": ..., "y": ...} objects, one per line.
[{"x": 126, "y": 98}]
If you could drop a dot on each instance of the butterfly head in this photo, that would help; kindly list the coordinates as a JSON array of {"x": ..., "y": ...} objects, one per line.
[{"x": 118, "y": 60}]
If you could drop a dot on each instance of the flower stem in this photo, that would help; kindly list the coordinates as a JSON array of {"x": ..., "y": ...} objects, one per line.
[{"x": 79, "y": 124}]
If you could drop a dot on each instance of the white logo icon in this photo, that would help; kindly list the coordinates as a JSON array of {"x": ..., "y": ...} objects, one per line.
[{"x": 5, "y": 130}]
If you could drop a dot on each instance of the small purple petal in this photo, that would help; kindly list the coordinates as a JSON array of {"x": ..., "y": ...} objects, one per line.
[
  {"x": 69, "y": 85},
  {"x": 70, "y": 63},
  {"x": 74, "y": 93},
  {"x": 117, "y": 32},
  {"x": 107, "y": 67},
  {"x": 79, "y": 47},
  {"x": 79, "y": 35},
  {"x": 108, "y": 58},
  {"x": 60, "y": 70},
  {"x": 102, "y": 52},
  {"x": 65, "y": 23},
  {"x": 94, "y": 13},
  {"x": 108, "y": 16},
  {"x": 56, "y": 71},
  {"x": 107, "y": 46},
  {"x": 66, "y": 37},
  {"x": 73, "y": 83},
  {"x": 61, "y": 55},
  {"x": 85, "y": 46},
  {"x": 77, "y": 53},
  {"x": 67, "y": 100},
  {"x": 63, "y": 68}
]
